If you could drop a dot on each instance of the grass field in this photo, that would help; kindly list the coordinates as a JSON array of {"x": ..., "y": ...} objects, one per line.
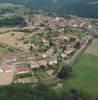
[
  {"x": 16, "y": 38},
  {"x": 41, "y": 75},
  {"x": 85, "y": 75},
  {"x": 3, "y": 52}
]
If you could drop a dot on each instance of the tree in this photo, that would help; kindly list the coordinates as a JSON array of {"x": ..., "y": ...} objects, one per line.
[
  {"x": 96, "y": 98},
  {"x": 65, "y": 72},
  {"x": 72, "y": 39},
  {"x": 79, "y": 95},
  {"x": 77, "y": 45},
  {"x": 74, "y": 94},
  {"x": 31, "y": 49}
]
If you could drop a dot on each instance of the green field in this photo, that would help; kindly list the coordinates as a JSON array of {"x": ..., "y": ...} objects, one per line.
[
  {"x": 85, "y": 75},
  {"x": 3, "y": 52},
  {"x": 41, "y": 74}
]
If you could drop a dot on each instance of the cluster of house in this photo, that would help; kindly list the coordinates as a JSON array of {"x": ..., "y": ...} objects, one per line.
[
  {"x": 8, "y": 65},
  {"x": 95, "y": 29},
  {"x": 56, "y": 23},
  {"x": 38, "y": 64},
  {"x": 48, "y": 58}
]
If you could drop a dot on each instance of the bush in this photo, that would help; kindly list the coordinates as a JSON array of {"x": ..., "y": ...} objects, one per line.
[
  {"x": 12, "y": 34},
  {"x": 17, "y": 76}
]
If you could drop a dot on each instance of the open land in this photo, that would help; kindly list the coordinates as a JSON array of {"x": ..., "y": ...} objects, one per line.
[
  {"x": 14, "y": 38},
  {"x": 5, "y": 79}
]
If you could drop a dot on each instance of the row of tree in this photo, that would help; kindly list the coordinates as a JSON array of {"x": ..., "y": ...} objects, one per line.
[{"x": 12, "y": 21}]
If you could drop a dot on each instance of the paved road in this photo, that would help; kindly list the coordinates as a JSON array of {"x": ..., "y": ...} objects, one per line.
[{"x": 52, "y": 81}]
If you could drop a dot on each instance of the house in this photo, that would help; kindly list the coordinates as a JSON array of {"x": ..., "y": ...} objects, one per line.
[
  {"x": 63, "y": 55},
  {"x": 34, "y": 64},
  {"x": 7, "y": 68},
  {"x": 53, "y": 62},
  {"x": 48, "y": 53},
  {"x": 44, "y": 55},
  {"x": 66, "y": 38},
  {"x": 9, "y": 58},
  {"x": 70, "y": 51},
  {"x": 37, "y": 64},
  {"x": 42, "y": 63},
  {"x": 96, "y": 34},
  {"x": 22, "y": 68},
  {"x": 1, "y": 69},
  {"x": 46, "y": 42},
  {"x": 82, "y": 41}
]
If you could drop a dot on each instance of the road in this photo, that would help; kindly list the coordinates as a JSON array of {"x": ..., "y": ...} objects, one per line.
[{"x": 52, "y": 81}]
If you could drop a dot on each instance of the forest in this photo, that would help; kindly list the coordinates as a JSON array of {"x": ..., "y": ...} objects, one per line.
[{"x": 84, "y": 8}]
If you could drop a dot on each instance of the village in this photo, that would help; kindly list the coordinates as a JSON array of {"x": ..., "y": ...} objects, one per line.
[{"x": 36, "y": 52}]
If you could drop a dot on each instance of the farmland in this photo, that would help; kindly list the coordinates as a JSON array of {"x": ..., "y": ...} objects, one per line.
[{"x": 16, "y": 37}]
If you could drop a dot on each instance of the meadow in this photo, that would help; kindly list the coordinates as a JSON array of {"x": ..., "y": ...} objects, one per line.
[{"x": 85, "y": 75}]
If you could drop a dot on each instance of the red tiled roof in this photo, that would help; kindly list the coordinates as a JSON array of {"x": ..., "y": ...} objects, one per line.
[
  {"x": 22, "y": 69},
  {"x": 9, "y": 57},
  {"x": 82, "y": 41},
  {"x": 7, "y": 67},
  {"x": 96, "y": 33}
]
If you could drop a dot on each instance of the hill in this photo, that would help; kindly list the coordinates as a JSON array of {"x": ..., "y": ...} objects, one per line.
[
  {"x": 8, "y": 8},
  {"x": 85, "y": 8}
]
